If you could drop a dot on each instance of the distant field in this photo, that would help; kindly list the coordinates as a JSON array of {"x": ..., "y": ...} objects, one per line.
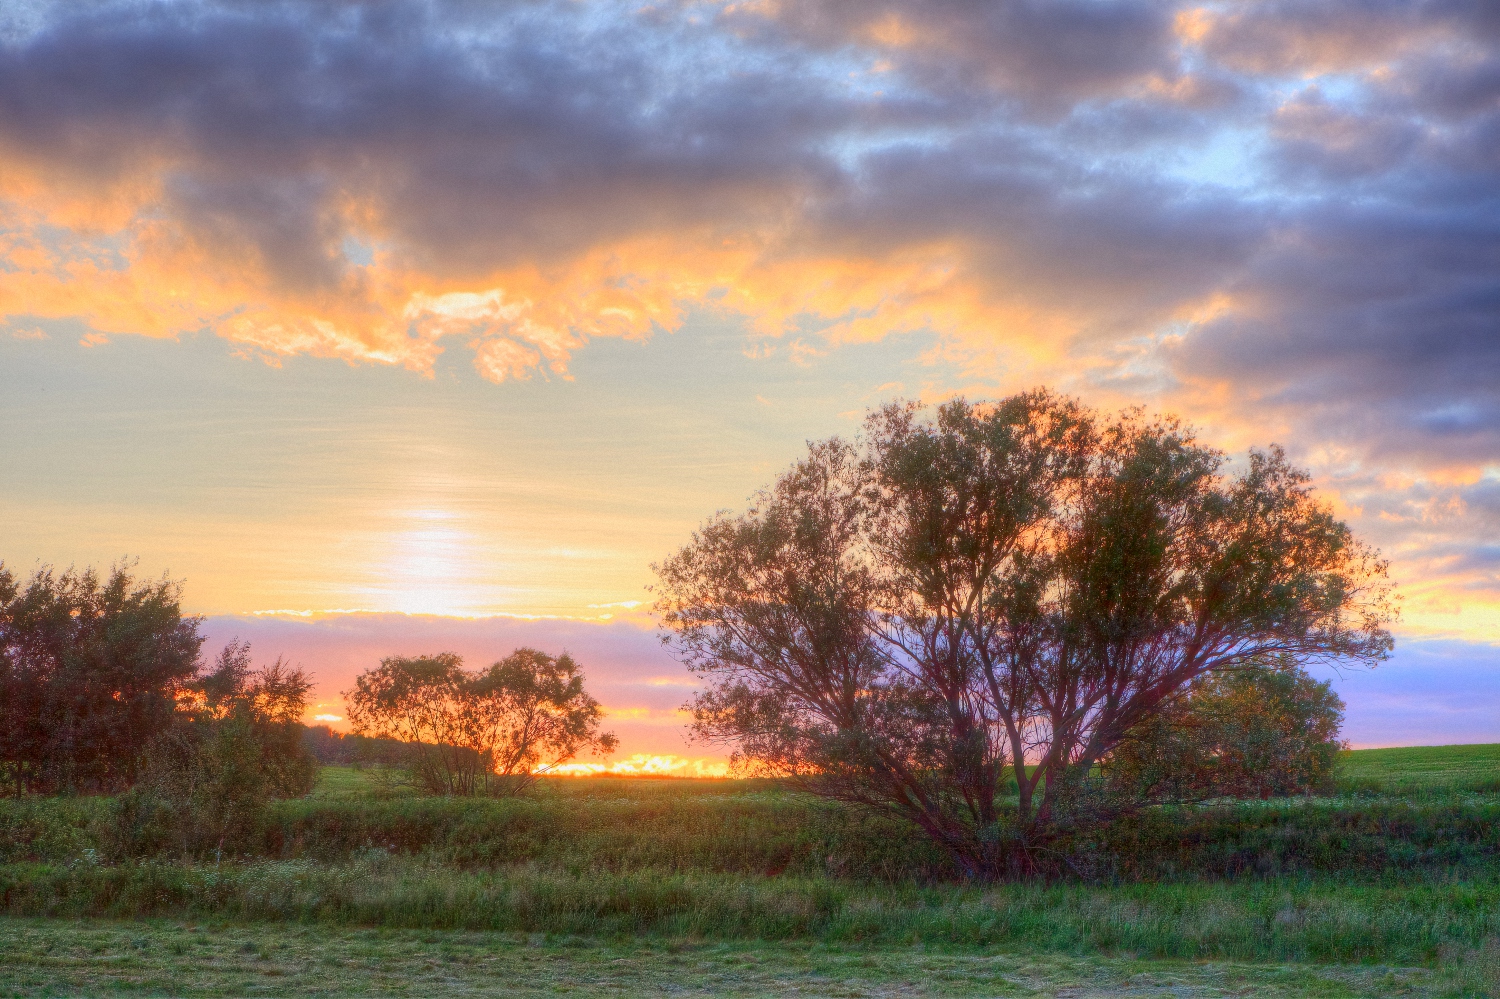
[
  {"x": 1412, "y": 768},
  {"x": 1416, "y": 768}
]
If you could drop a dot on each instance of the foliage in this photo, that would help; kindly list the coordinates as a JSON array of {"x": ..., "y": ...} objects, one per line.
[
  {"x": 237, "y": 744},
  {"x": 265, "y": 708},
  {"x": 488, "y": 731},
  {"x": 905, "y": 622},
  {"x": 89, "y": 671},
  {"x": 1252, "y": 733},
  {"x": 347, "y": 749},
  {"x": 686, "y": 864}
]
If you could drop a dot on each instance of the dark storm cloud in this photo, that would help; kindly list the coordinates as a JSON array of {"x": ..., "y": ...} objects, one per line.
[
  {"x": 1124, "y": 248},
  {"x": 534, "y": 134},
  {"x": 1375, "y": 299},
  {"x": 1066, "y": 157}
]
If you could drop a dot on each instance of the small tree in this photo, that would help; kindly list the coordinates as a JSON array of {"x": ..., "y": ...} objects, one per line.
[
  {"x": 268, "y": 704},
  {"x": 1254, "y": 733},
  {"x": 236, "y": 743},
  {"x": 490, "y": 731},
  {"x": 995, "y": 592},
  {"x": 529, "y": 713}
]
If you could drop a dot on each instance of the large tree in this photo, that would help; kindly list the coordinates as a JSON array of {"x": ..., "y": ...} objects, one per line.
[{"x": 1001, "y": 592}]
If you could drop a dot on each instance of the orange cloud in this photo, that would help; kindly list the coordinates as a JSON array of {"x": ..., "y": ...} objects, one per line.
[{"x": 153, "y": 277}]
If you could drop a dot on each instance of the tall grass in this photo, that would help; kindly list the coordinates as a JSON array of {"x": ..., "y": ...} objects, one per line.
[
  {"x": 1366, "y": 877},
  {"x": 1277, "y": 919}
]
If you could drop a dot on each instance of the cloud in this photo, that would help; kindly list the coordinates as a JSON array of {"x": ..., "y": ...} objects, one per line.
[
  {"x": 374, "y": 181},
  {"x": 1279, "y": 217}
]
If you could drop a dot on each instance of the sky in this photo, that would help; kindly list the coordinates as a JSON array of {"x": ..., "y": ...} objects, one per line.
[{"x": 400, "y": 327}]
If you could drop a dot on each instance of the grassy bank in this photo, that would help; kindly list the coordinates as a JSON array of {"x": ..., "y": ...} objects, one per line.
[
  {"x": 1375, "y": 876},
  {"x": 1281, "y": 919}
]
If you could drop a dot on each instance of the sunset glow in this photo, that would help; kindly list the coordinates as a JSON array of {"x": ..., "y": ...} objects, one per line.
[{"x": 640, "y": 765}]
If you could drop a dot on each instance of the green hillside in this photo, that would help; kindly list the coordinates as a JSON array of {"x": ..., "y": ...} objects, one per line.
[{"x": 1414, "y": 768}]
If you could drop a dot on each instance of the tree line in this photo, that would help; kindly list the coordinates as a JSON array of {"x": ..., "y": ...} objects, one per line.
[{"x": 104, "y": 690}]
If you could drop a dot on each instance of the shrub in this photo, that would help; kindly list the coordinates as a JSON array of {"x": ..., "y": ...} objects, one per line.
[
  {"x": 205, "y": 780},
  {"x": 1262, "y": 732}
]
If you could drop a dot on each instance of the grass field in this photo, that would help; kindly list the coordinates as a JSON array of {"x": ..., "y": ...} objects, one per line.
[
  {"x": 610, "y": 886},
  {"x": 51, "y": 958},
  {"x": 1423, "y": 769}
]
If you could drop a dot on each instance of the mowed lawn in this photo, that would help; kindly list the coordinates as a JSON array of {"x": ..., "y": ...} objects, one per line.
[
  {"x": 1077, "y": 942},
  {"x": 88, "y": 958}
]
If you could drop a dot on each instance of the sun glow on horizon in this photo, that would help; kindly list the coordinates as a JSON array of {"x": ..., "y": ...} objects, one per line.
[{"x": 645, "y": 765}]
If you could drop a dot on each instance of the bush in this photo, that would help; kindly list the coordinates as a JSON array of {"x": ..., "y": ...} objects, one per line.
[
  {"x": 205, "y": 780},
  {"x": 750, "y": 829},
  {"x": 1265, "y": 732}
]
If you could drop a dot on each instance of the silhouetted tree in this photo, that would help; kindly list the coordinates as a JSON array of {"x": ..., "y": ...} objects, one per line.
[
  {"x": 269, "y": 704},
  {"x": 491, "y": 731},
  {"x": 90, "y": 668},
  {"x": 909, "y": 621},
  {"x": 528, "y": 713}
]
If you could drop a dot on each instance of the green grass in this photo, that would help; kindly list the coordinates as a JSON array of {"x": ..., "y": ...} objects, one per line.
[
  {"x": 752, "y": 828},
  {"x": 1474, "y": 769},
  {"x": 740, "y": 887},
  {"x": 159, "y": 958},
  {"x": 1412, "y": 921}
]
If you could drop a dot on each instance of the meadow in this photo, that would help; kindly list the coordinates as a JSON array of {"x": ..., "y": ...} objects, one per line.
[{"x": 625, "y": 885}]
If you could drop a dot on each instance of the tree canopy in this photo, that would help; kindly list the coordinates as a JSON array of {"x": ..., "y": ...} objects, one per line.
[
  {"x": 90, "y": 667},
  {"x": 1001, "y": 591},
  {"x": 235, "y": 743},
  {"x": 486, "y": 731}
]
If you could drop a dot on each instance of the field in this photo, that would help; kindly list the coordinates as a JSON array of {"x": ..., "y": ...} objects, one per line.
[
  {"x": 623, "y": 887},
  {"x": 50, "y": 958},
  {"x": 1429, "y": 769}
]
